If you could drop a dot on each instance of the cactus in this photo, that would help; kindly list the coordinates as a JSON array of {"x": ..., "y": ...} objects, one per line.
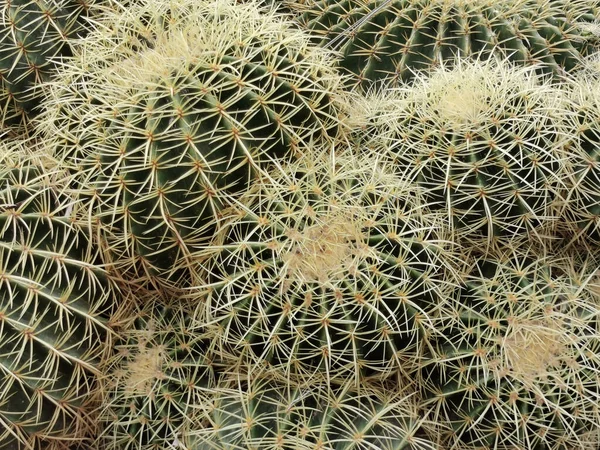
[
  {"x": 518, "y": 367},
  {"x": 162, "y": 371},
  {"x": 581, "y": 208},
  {"x": 259, "y": 413},
  {"x": 33, "y": 35},
  {"x": 55, "y": 309},
  {"x": 484, "y": 139},
  {"x": 394, "y": 39},
  {"x": 329, "y": 266},
  {"x": 170, "y": 108}
]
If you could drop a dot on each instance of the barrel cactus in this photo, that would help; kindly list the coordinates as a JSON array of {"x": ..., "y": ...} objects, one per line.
[
  {"x": 393, "y": 39},
  {"x": 259, "y": 413},
  {"x": 329, "y": 267},
  {"x": 33, "y": 36},
  {"x": 581, "y": 212},
  {"x": 518, "y": 367},
  {"x": 160, "y": 375},
  {"x": 170, "y": 108},
  {"x": 485, "y": 140},
  {"x": 56, "y": 306}
]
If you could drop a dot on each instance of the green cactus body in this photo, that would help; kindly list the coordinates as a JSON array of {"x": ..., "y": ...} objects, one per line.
[
  {"x": 581, "y": 211},
  {"x": 159, "y": 377},
  {"x": 55, "y": 308},
  {"x": 519, "y": 365},
  {"x": 485, "y": 141},
  {"x": 328, "y": 268},
  {"x": 394, "y": 39},
  {"x": 33, "y": 34},
  {"x": 189, "y": 106},
  {"x": 262, "y": 414}
]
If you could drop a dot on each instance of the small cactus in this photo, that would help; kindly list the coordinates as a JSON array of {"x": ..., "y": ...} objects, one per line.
[
  {"x": 329, "y": 266},
  {"x": 519, "y": 364},
  {"x": 171, "y": 107},
  {"x": 159, "y": 377},
  {"x": 485, "y": 141}
]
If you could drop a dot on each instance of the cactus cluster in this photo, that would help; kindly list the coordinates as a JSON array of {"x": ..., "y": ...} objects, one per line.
[{"x": 299, "y": 225}]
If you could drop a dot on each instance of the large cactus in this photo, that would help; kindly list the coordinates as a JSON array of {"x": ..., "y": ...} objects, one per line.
[
  {"x": 329, "y": 267},
  {"x": 55, "y": 307},
  {"x": 386, "y": 39},
  {"x": 484, "y": 139},
  {"x": 519, "y": 366},
  {"x": 174, "y": 106}
]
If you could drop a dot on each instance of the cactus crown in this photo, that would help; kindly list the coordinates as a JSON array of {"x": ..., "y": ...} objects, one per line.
[
  {"x": 484, "y": 139},
  {"x": 522, "y": 342},
  {"x": 327, "y": 267}
]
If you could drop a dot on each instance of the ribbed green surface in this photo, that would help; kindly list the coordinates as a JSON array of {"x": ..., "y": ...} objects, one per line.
[
  {"x": 392, "y": 39},
  {"x": 519, "y": 364},
  {"x": 267, "y": 415},
  {"x": 32, "y": 33},
  {"x": 54, "y": 310}
]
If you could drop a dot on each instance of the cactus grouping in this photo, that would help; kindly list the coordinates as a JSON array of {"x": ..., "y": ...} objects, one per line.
[
  {"x": 300, "y": 225},
  {"x": 392, "y": 40}
]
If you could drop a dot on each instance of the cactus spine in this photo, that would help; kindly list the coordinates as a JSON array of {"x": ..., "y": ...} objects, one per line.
[{"x": 260, "y": 413}]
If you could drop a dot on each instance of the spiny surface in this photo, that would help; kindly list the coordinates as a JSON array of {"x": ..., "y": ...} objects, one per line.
[
  {"x": 172, "y": 106},
  {"x": 390, "y": 41},
  {"x": 519, "y": 364},
  {"x": 485, "y": 140},
  {"x": 328, "y": 267},
  {"x": 55, "y": 309}
]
